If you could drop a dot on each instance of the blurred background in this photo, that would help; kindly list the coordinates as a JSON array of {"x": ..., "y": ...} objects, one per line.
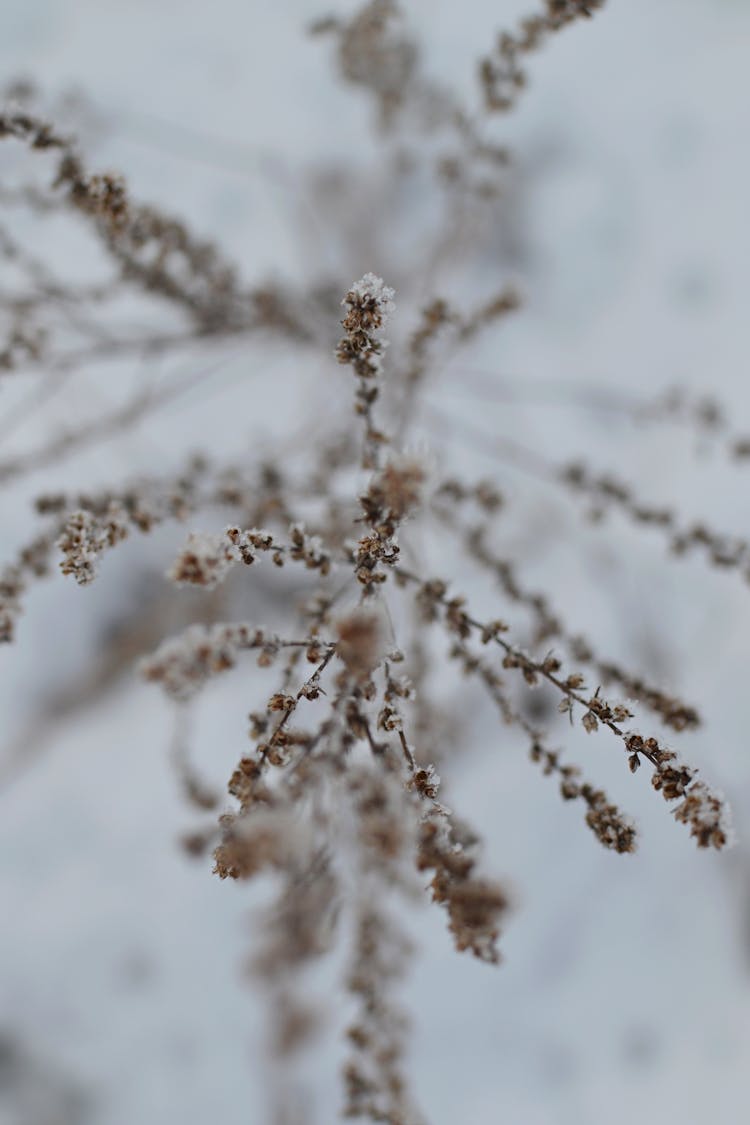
[{"x": 625, "y": 990}]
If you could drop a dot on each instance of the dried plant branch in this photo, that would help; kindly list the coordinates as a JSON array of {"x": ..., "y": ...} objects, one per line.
[{"x": 337, "y": 798}]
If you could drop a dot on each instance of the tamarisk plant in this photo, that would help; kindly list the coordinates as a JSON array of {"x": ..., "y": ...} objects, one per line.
[{"x": 339, "y": 795}]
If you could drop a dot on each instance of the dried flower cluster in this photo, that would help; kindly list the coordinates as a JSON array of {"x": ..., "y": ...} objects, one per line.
[
  {"x": 502, "y": 73},
  {"x": 369, "y": 303},
  {"x": 337, "y": 794}
]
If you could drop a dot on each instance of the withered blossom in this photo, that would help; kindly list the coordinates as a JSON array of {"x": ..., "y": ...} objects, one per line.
[{"x": 336, "y": 798}]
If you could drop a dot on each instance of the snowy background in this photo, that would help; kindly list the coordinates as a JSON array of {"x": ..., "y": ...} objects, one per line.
[{"x": 625, "y": 992}]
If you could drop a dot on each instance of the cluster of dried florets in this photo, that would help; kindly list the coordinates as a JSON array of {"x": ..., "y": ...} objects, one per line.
[
  {"x": 338, "y": 795},
  {"x": 84, "y": 526},
  {"x": 605, "y": 491},
  {"x": 206, "y": 559},
  {"x": 705, "y": 812},
  {"x": 86, "y": 536},
  {"x": 148, "y": 252},
  {"x": 307, "y": 780},
  {"x": 369, "y": 303},
  {"x": 32, "y": 562},
  {"x": 340, "y": 735},
  {"x": 502, "y": 74},
  {"x": 376, "y": 54},
  {"x": 184, "y": 664},
  {"x": 474, "y": 904},
  {"x": 394, "y": 493},
  {"x": 547, "y": 623},
  {"x": 612, "y": 827},
  {"x": 375, "y": 1082},
  {"x": 154, "y": 250},
  {"x": 436, "y": 605}
]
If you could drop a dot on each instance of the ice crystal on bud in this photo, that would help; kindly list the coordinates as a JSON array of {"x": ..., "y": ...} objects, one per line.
[
  {"x": 370, "y": 302},
  {"x": 426, "y": 782},
  {"x": 707, "y": 815},
  {"x": 184, "y": 664},
  {"x": 86, "y": 536},
  {"x": 205, "y": 560}
]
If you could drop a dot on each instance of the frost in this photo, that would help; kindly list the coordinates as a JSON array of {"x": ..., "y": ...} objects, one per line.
[
  {"x": 372, "y": 288},
  {"x": 205, "y": 560}
]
